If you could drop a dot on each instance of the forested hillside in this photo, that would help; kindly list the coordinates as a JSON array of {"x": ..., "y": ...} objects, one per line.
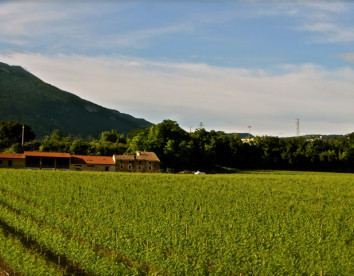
[{"x": 26, "y": 98}]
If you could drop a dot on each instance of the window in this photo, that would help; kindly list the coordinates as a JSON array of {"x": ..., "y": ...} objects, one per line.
[
  {"x": 139, "y": 167},
  {"x": 130, "y": 167},
  {"x": 121, "y": 166},
  {"x": 0, "y": 161},
  {"x": 106, "y": 169},
  {"x": 91, "y": 166},
  {"x": 9, "y": 163},
  {"x": 78, "y": 165},
  {"x": 150, "y": 167}
]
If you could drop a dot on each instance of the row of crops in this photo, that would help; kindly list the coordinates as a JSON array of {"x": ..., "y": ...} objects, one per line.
[{"x": 62, "y": 223}]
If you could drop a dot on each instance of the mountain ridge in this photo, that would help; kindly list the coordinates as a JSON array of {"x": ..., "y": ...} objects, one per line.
[{"x": 26, "y": 98}]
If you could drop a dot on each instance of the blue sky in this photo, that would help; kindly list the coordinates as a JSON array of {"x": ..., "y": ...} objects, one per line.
[{"x": 228, "y": 64}]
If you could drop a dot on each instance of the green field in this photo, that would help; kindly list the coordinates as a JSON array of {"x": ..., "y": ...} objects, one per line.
[{"x": 265, "y": 223}]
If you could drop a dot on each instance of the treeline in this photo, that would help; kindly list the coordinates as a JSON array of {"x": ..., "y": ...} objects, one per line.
[{"x": 209, "y": 151}]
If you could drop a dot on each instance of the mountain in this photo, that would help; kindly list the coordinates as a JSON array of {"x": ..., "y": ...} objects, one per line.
[{"x": 27, "y": 99}]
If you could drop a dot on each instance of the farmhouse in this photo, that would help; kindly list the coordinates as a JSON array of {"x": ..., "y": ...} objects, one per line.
[{"x": 141, "y": 162}]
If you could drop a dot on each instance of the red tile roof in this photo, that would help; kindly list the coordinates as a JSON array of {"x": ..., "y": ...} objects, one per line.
[
  {"x": 47, "y": 154},
  {"x": 12, "y": 155},
  {"x": 99, "y": 160}
]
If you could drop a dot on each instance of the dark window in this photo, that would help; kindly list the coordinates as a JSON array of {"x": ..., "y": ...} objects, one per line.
[
  {"x": 48, "y": 162},
  {"x": 139, "y": 167},
  {"x": 121, "y": 166},
  {"x": 9, "y": 163},
  {"x": 0, "y": 161},
  {"x": 91, "y": 166},
  {"x": 32, "y": 161},
  {"x": 106, "y": 169},
  {"x": 63, "y": 163}
]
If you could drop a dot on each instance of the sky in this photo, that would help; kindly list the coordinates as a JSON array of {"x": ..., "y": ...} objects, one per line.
[{"x": 228, "y": 64}]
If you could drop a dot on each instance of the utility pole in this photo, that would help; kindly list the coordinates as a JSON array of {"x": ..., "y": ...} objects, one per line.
[
  {"x": 201, "y": 125},
  {"x": 249, "y": 131},
  {"x": 23, "y": 134},
  {"x": 297, "y": 127}
]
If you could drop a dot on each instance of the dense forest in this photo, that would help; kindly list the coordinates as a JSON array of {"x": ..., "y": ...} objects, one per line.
[{"x": 209, "y": 151}]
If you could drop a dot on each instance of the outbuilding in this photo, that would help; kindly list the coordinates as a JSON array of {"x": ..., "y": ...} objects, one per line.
[
  {"x": 12, "y": 160},
  {"x": 92, "y": 163},
  {"x": 47, "y": 160}
]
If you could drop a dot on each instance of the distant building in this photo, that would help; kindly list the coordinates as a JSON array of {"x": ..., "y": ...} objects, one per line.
[
  {"x": 12, "y": 160},
  {"x": 92, "y": 163},
  {"x": 144, "y": 162},
  {"x": 141, "y": 162},
  {"x": 198, "y": 172},
  {"x": 47, "y": 160},
  {"x": 124, "y": 163}
]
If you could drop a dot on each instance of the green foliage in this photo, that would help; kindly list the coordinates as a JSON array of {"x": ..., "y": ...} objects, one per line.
[
  {"x": 267, "y": 223},
  {"x": 204, "y": 150},
  {"x": 11, "y": 133},
  {"x": 80, "y": 147},
  {"x": 56, "y": 142}
]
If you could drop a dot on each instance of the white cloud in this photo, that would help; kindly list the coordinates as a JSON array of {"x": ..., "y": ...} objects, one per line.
[
  {"x": 27, "y": 19},
  {"x": 326, "y": 20},
  {"x": 329, "y": 32},
  {"x": 142, "y": 37},
  {"x": 227, "y": 99},
  {"x": 347, "y": 56},
  {"x": 67, "y": 25}
]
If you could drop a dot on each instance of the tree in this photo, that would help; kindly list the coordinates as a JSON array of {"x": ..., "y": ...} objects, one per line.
[
  {"x": 111, "y": 136},
  {"x": 11, "y": 133},
  {"x": 79, "y": 147},
  {"x": 56, "y": 142}
]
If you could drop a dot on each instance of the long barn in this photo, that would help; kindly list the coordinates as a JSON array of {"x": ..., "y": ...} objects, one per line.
[{"x": 141, "y": 162}]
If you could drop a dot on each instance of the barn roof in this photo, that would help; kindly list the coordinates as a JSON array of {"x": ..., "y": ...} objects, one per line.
[
  {"x": 124, "y": 157},
  {"x": 12, "y": 155},
  {"x": 97, "y": 160},
  {"x": 47, "y": 154},
  {"x": 147, "y": 156}
]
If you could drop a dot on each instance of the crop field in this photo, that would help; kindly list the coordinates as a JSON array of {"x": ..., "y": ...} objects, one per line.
[{"x": 265, "y": 223}]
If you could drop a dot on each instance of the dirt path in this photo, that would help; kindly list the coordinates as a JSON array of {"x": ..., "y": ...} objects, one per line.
[{"x": 3, "y": 272}]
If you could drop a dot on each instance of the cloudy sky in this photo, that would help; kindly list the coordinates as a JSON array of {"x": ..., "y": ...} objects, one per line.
[{"x": 228, "y": 64}]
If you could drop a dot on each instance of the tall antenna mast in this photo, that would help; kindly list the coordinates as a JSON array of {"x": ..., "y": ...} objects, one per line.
[
  {"x": 249, "y": 131},
  {"x": 297, "y": 127},
  {"x": 201, "y": 125},
  {"x": 23, "y": 134}
]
